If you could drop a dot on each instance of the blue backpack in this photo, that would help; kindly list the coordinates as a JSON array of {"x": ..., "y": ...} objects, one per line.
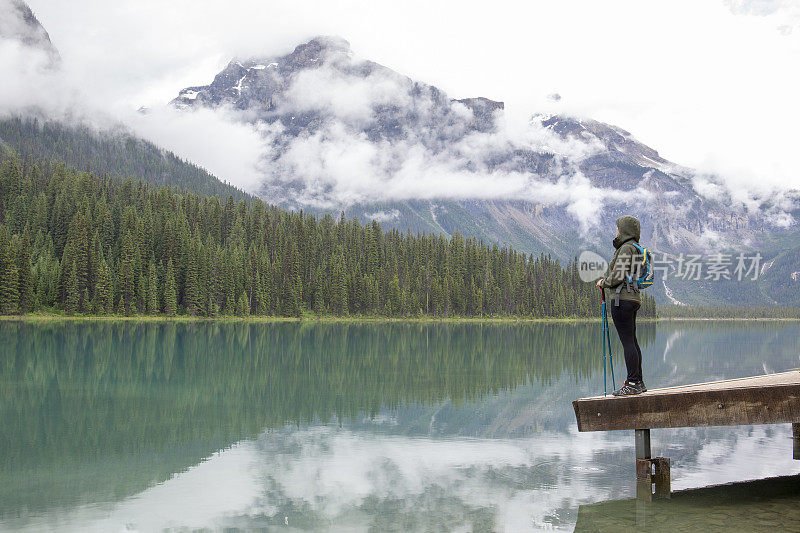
[{"x": 643, "y": 269}]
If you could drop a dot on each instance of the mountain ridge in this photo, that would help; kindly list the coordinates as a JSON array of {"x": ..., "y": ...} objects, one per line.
[
  {"x": 21, "y": 25},
  {"x": 113, "y": 150},
  {"x": 320, "y": 108},
  {"x": 117, "y": 154},
  {"x": 260, "y": 88}
]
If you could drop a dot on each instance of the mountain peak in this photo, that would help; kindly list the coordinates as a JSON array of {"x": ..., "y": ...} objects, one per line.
[
  {"x": 324, "y": 43},
  {"x": 340, "y": 131},
  {"x": 18, "y": 23},
  {"x": 318, "y": 50}
]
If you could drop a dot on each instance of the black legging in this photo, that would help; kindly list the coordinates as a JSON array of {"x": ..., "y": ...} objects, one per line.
[{"x": 624, "y": 316}]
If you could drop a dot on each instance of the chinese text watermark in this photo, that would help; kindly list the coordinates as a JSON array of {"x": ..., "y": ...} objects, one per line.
[{"x": 714, "y": 267}]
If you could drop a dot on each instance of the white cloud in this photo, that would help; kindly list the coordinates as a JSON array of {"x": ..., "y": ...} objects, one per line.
[
  {"x": 721, "y": 97},
  {"x": 784, "y": 14},
  {"x": 228, "y": 149},
  {"x": 383, "y": 216},
  {"x": 348, "y": 480},
  {"x": 337, "y": 164},
  {"x": 27, "y": 77},
  {"x": 349, "y": 98}
]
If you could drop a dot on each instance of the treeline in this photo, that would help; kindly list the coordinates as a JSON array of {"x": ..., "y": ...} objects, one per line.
[
  {"x": 85, "y": 244},
  {"x": 702, "y": 311},
  {"x": 117, "y": 154}
]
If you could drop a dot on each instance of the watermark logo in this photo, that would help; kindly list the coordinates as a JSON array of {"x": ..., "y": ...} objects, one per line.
[
  {"x": 591, "y": 266},
  {"x": 713, "y": 267}
]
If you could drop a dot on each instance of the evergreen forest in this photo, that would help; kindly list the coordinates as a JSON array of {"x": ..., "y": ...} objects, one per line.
[{"x": 78, "y": 243}]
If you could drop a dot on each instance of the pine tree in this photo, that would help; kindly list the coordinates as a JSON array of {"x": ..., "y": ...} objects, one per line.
[
  {"x": 25, "y": 279},
  {"x": 152, "y": 289},
  {"x": 229, "y": 286},
  {"x": 213, "y": 307},
  {"x": 260, "y": 296},
  {"x": 243, "y": 305},
  {"x": 141, "y": 294},
  {"x": 170, "y": 292},
  {"x": 101, "y": 301},
  {"x": 393, "y": 305},
  {"x": 10, "y": 185},
  {"x": 191, "y": 290},
  {"x": 72, "y": 302},
  {"x": 126, "y": 285},
  {"x": 76, "y": 251},
  {"x": 283, "y": 262},
  {"x": 319, "y": 292},
  {"x": 339, "y": 287},
  {"x": 9, "y": 281}
]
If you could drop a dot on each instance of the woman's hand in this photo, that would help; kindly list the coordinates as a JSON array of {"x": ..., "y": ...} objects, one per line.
[{"x": 600, "y": 283}]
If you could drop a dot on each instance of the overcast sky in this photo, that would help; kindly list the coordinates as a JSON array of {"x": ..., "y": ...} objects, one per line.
[{"x": 711, "y": 84}]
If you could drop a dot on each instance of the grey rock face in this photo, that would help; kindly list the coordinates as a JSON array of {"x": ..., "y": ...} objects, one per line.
[{"x": 314, "y": 92}]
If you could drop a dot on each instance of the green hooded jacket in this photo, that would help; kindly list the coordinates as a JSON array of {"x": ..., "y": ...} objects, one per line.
[{"x": 624, "y": 256}]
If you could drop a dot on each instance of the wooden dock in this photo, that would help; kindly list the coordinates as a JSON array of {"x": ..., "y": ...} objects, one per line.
[{"x": 768, "y": 399}]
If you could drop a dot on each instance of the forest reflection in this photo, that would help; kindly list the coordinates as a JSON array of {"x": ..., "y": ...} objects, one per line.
[
  {"x": 95, "y": 411},
  {"x": 80, "y": 395}
]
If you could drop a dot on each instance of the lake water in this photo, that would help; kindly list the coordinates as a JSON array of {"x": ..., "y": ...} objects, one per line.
[{"x": 350, "y": 426}]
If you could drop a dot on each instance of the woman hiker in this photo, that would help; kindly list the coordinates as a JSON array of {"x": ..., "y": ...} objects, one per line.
[{"x": 625, "y": 300}]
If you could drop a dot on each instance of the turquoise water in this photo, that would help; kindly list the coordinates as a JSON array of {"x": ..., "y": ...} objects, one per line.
[{"x": 351, "y": 427}]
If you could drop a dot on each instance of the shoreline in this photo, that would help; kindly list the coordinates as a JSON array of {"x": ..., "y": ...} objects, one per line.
[{"x": 366, "y": 319}]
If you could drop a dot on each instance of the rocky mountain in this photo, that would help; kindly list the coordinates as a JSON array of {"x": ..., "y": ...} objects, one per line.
[
  {"x": 327, "y": 115},
  {"x": 342, "y": 133},
  {"x": 20, "y": 24},
  {"x": 117, "y": 154},
  {"x": 113, "y": 151}
]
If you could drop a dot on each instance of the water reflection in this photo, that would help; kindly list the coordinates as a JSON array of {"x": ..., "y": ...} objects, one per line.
[
  {"x": 766, "y": 505},
  {"x": 360, "y": 426}
]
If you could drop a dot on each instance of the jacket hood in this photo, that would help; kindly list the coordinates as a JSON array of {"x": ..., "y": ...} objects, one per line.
[{"x": 629, "y": 228}]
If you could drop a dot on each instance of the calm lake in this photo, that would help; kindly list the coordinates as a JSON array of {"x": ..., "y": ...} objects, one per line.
[{"x": 124, "y": 426}]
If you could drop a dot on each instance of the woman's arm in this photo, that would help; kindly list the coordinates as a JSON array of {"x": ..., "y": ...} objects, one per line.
[{"x": 620, "y": 267}]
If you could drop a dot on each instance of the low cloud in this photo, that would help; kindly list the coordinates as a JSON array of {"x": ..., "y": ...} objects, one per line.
[
  {"x": 383, "y": 216},
  {"x": 118, "y": 56},
  {"x": 28, "y": 77},
  {"x": 784, "y": 14},
  {"x": 770, "y": 202},
  {"x": 129, "y": 54},
  {"x": 425, "y": 147},
  {"x": 229, "y": 149},
  {"x": 33, "y": 87},
  {"x": 351, "y": 98}
]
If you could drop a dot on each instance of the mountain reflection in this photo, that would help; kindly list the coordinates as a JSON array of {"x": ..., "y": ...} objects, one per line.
[{"x": 101, "y": 411}]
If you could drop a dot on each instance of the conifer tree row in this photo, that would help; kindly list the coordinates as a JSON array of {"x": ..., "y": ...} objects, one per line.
[
  {"x": 116, "y": 154},
  {"x": 82, "y": 244}
]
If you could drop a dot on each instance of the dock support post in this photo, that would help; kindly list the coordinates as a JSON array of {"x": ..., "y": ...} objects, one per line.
[
  {"x": 642, "y": 437},
  {"x": 796, "y": 440},
  {"x": 649, "y": 470},
  {"x": 661, "y": 477},
  {"x": 644, "y": 482}
]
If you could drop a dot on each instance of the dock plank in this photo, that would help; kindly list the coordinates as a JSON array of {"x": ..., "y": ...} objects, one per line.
[{"x": 767, "y": 399}]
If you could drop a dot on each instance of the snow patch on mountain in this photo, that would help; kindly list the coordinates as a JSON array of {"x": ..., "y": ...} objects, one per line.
[{"x": 671, "y": 298}]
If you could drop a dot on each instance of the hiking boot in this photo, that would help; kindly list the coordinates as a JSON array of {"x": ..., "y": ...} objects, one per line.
[{"x": 630, "y": 389}]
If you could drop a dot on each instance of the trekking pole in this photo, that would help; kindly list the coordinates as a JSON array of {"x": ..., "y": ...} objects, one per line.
[
  {"x": 610, "y": 354},
  {"x": 605, "y": 330}
]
